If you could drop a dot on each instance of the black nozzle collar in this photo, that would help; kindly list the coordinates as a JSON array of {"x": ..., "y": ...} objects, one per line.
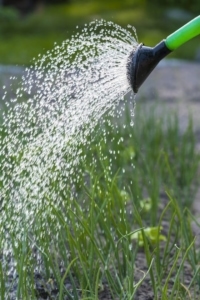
[{"x": 142, "y": 61}]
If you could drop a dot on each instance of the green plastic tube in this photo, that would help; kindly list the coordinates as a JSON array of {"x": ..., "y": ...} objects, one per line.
[{"x": 183, "y": 34}]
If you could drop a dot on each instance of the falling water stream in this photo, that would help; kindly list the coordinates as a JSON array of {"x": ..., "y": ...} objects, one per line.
[{"x": 57, "y": 104}]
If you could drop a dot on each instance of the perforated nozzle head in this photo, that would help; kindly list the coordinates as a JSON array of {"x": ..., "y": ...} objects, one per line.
[{"x": 142, "y": 61}]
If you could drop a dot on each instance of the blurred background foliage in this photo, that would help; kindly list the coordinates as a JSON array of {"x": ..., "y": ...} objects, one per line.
[{"x": 30, "y": 27}]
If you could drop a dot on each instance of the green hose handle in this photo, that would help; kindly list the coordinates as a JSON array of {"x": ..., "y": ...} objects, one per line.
[{"x": 183, "y": 34}]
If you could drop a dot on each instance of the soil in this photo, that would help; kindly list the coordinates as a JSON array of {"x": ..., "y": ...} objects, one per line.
[{"x": 172, "y": 85}]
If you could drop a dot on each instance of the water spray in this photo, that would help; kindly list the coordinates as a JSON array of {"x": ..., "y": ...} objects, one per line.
[{"x": 143, "y": 59}]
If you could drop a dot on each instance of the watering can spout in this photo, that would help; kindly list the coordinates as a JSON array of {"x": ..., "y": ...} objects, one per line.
[{"x": 143, "y": 60}]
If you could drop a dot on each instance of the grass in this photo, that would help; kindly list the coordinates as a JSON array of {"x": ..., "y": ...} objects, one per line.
[
  {"x": 89, "y": 242},
  {"x": 24, "y": 38}
]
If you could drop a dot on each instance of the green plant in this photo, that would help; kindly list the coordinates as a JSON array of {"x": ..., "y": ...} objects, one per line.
[{"x": 132, "y": 179}]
